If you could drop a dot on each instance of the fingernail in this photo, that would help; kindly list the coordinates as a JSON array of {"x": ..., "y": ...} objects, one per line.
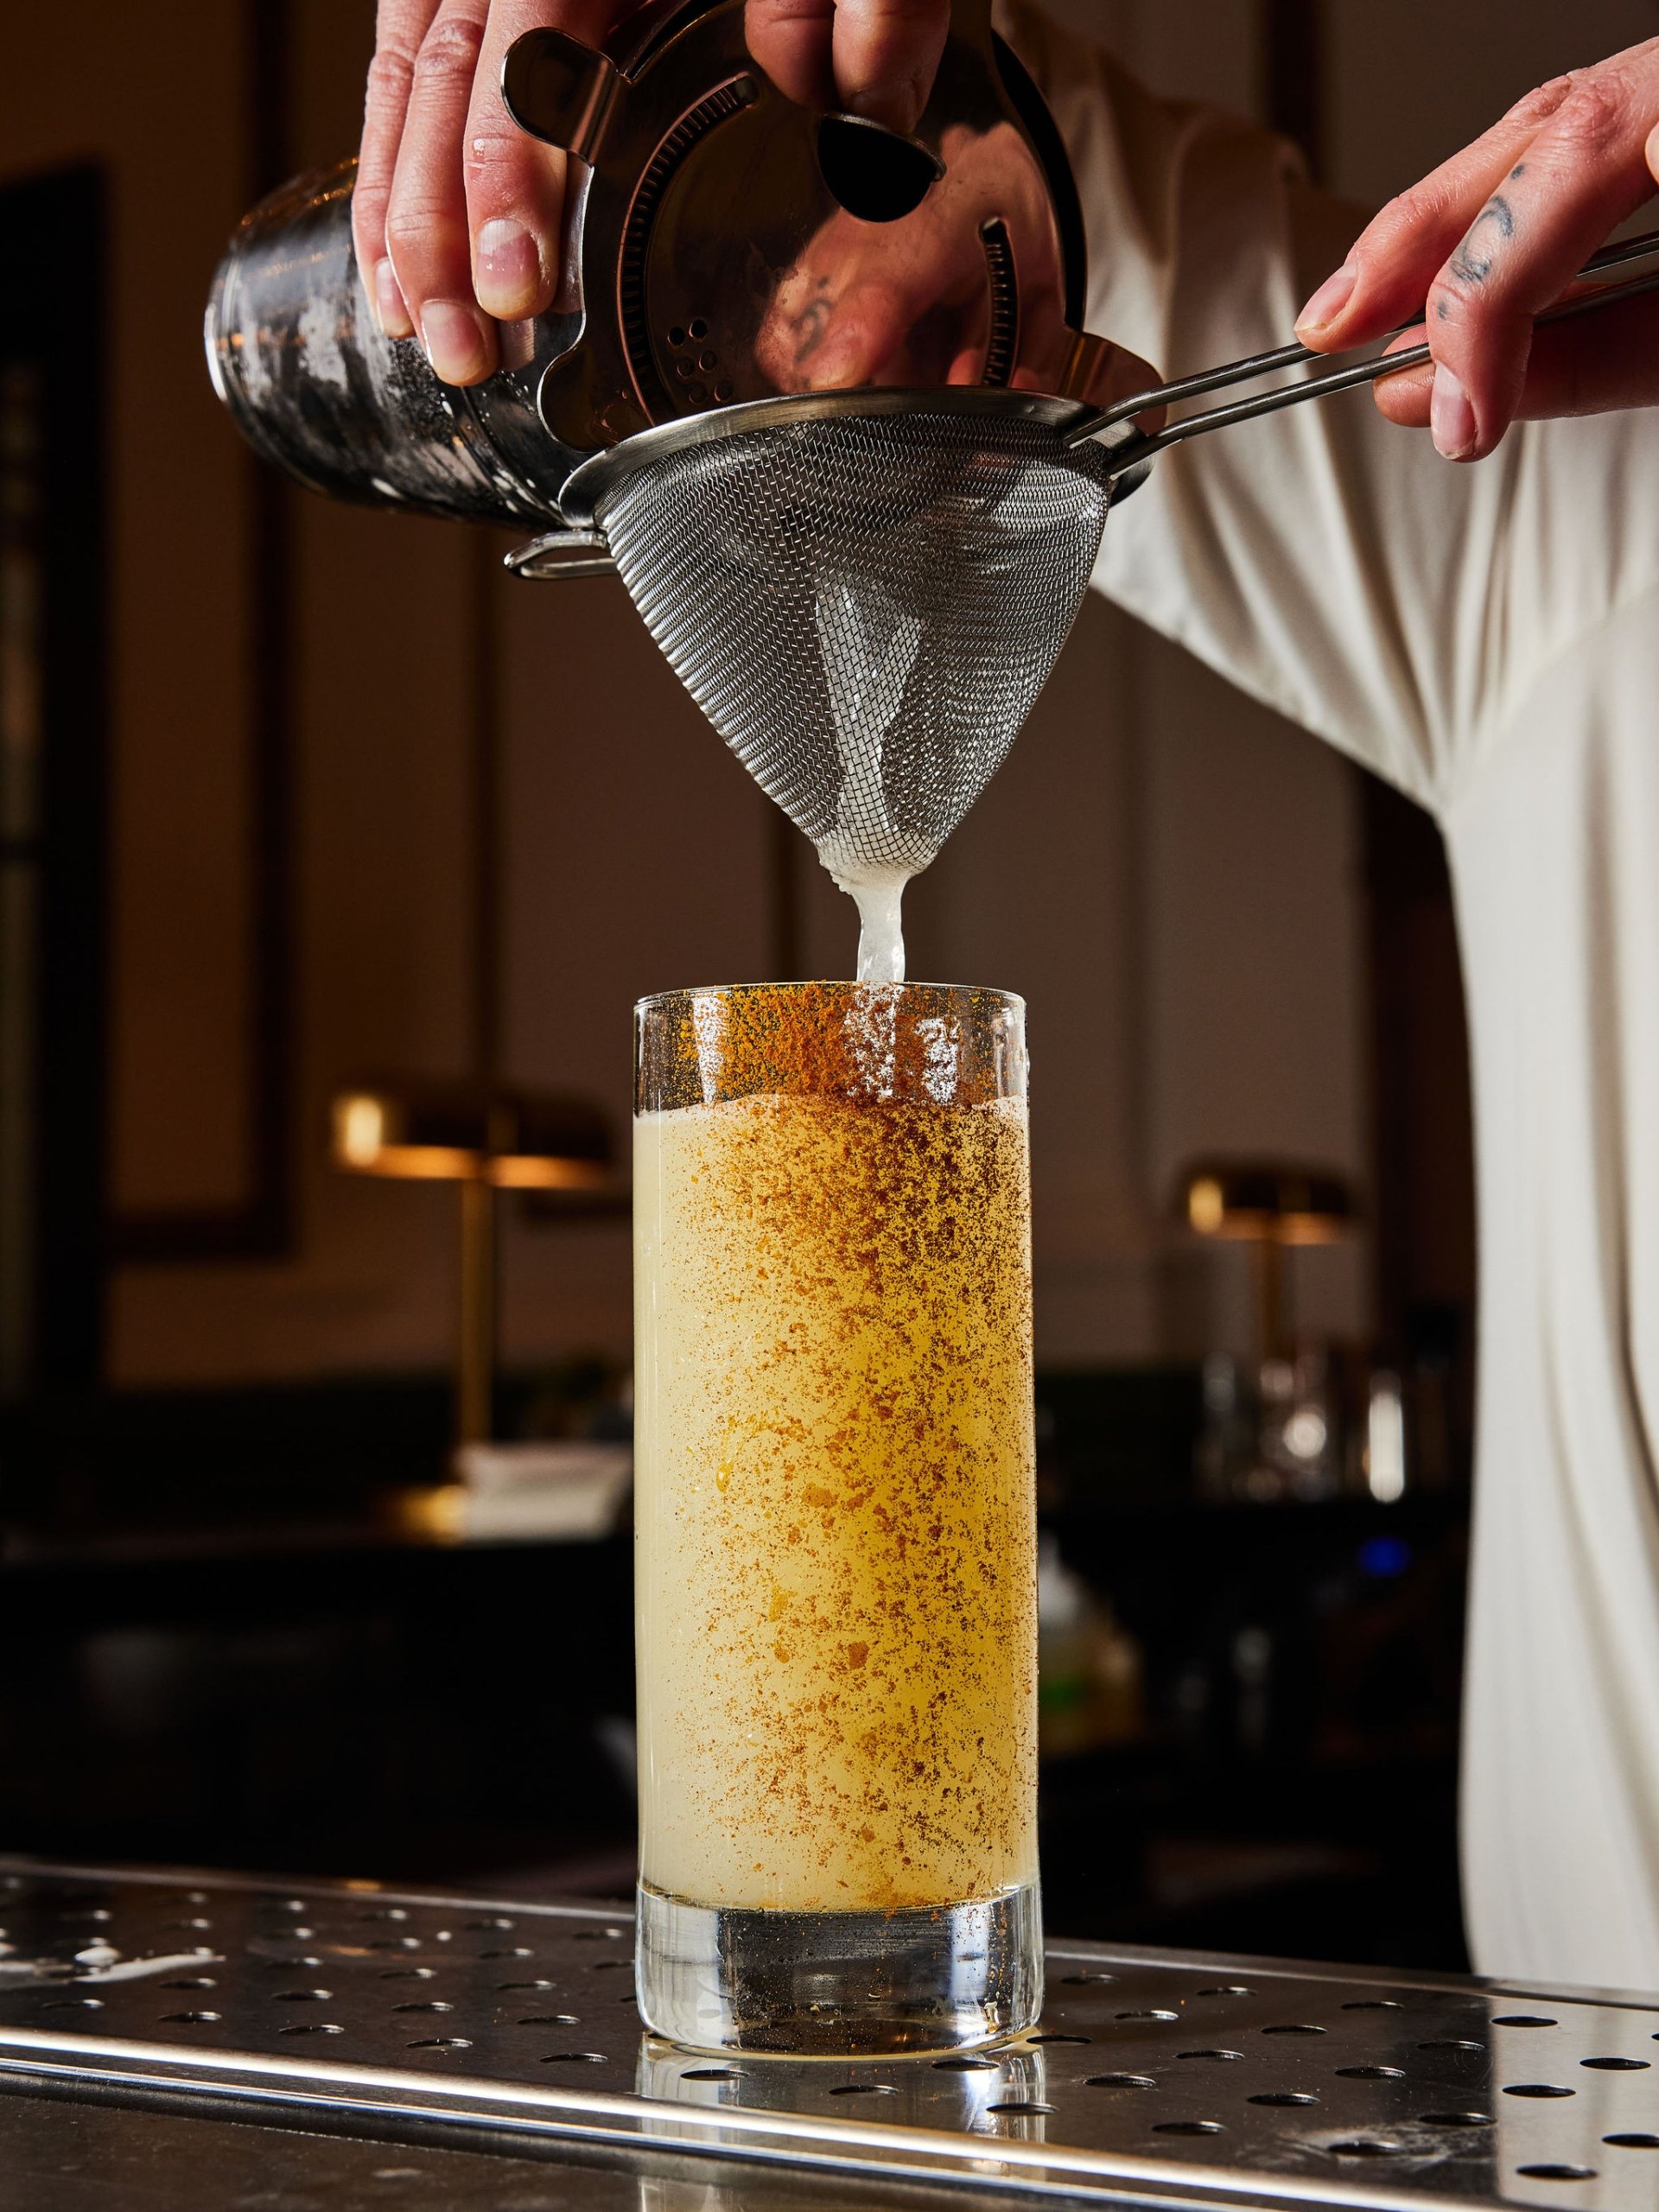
[
  {"x": 391, "y": 310},
  {"x": 1328, "y": 302},
  {"x": 1451, "y": 418},
  {"x": 508, "y": 270},
  {"x": 454, "y": 341}
]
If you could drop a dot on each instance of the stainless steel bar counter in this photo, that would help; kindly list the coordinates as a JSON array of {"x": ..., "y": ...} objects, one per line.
[{"x": 228, "y": 2045}]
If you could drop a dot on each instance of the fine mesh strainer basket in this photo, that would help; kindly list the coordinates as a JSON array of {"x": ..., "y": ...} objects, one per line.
[
  {"x": 865, "y": 604},
  {"x": 865, "y": 591}
]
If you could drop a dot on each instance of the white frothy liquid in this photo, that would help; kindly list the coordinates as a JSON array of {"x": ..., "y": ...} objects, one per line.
[
  {"x": 878, "y": 894},
  {"x": 869, "y": 649}
]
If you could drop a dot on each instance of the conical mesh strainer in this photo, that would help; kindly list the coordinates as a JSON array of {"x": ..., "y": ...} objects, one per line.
[
  {"x": 866, "y": 591},
  {"x": 865, "y": 605}
]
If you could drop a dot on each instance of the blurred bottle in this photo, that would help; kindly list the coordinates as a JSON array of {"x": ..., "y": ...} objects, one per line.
[
  {"x": 1272, "y": 1435},
  {"x": 1386, "y": 1457},
  {"x": 1089, "y": 1667},
  {"x": 1227, "y": 1430},
  {"x": 1299, "y": 1452}
]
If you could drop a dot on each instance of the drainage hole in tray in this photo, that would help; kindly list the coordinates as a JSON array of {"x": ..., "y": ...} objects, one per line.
[
  {"x": 1155, "y": 2013},
  {"x": 1522, "y": 2020},
  {"x": 1119, "y": 2081},
  {"x": 301, "y": 1996},
  {"x": 442, "y": 2043},
  {"x": 703, "y": 2073},
  {"x": 965, "y": 2065},
  {"x": 550, "y": 2020},
  {"x": 1227, "y": 1989},
  {"x": 1372, "y": 2073},
  {"x": 1189, "y": 2127},
  {"x": 1293, "y": 2028},
  {"x": 506, "y": 1988},
  {"x": 1084, "y": 1981},
  {"x": 1055, "y": 2035},
  {"x": 1634, "y": 2142},
  {"x": 891, "y": 2089},
  {"x": 1019, "y": 2106},
  {"x": 1373, "y": 2004},
  {"x": 574, "y": 2059},
  {"x": 1282, "y": 2097},
  {"x": 1548, "y": 2171},
  {"x": 311, "y": 2028},
  {"x": 1211, "y": 2054},
  {"x": 425, "y": 2005},
  {"x": 1454, "y": 2119},
  {"x": 1536, "y": 2089},
  {"x": 191, "y": 2019},
  {"x": 423, "y": 1973},
  {"x": 1615, "y": 2065},
  {"x": 190, "y": 1981},
  {"x": 1453, "y": 2042},
  {"x": 1365, "y": 2146}
]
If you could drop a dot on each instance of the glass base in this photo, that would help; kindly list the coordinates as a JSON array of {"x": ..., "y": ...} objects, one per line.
[{"x": 840, "y": 1985}]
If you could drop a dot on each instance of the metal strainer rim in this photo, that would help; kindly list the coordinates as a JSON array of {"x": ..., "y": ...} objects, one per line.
[{"x": 580, "y": 499}]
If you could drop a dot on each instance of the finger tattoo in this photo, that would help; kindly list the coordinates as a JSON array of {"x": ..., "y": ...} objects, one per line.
[{"x": 1473, "y": 262}]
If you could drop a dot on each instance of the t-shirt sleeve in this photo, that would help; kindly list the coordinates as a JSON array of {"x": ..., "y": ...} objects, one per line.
[{"x": 1326, "y": 562}]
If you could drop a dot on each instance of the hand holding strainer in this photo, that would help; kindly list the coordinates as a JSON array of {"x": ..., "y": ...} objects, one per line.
[{"x": 785, "y": 553}]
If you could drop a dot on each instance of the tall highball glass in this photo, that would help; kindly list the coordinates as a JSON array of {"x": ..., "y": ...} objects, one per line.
[{"x": 837, "y": 1590}]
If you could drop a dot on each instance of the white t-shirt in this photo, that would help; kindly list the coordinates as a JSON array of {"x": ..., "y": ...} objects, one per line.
[{"x": 1488, "y": 639}]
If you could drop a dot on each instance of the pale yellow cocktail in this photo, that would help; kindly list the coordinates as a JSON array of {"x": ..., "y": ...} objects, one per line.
[{"x": 833, "y": 1489}]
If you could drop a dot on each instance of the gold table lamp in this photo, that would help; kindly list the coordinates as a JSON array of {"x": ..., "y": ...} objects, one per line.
[
  {"x": 484, "y": 1138},
  {"x": 1270, "y": 1206}
]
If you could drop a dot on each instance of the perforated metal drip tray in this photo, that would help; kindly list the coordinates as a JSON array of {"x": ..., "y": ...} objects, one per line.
[{"x": 1155, "y": 2077}]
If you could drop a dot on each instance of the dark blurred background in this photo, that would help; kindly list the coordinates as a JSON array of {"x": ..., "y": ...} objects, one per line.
[{"x": 291, "y": 794}]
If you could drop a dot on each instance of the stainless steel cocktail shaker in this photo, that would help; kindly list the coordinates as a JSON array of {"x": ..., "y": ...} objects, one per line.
[
  {"x": 713, "y": 227},
  {"x": 297, "y": 357}
]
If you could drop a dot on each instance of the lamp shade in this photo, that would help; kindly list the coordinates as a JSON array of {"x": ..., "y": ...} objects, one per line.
[
  {"x": 1259, "y": 1201},
  {"x": 460, "y": 1132}
]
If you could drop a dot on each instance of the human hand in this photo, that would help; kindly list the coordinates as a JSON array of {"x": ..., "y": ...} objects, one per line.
[
  {"x": 1493, "y": 237},
  {"x": 458, "y": 215},
  {"x": 908, "y": 303}
]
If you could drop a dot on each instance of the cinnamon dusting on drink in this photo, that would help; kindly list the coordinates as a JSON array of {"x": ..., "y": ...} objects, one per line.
[{"x": 835, "y": 1464}]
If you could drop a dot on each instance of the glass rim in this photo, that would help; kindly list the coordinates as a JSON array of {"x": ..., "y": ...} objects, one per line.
[{"x": 654, "y": 998}]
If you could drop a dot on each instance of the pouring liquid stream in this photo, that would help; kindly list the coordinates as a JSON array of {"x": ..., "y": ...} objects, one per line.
[
  {"x": 878, "y": 894},
  {"x": 869, "y": 647}
]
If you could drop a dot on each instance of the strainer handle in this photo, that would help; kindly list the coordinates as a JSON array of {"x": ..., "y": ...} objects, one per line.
[
  {"x": 1128, "y": 448},
  {"x": 561, "y": 553}
]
